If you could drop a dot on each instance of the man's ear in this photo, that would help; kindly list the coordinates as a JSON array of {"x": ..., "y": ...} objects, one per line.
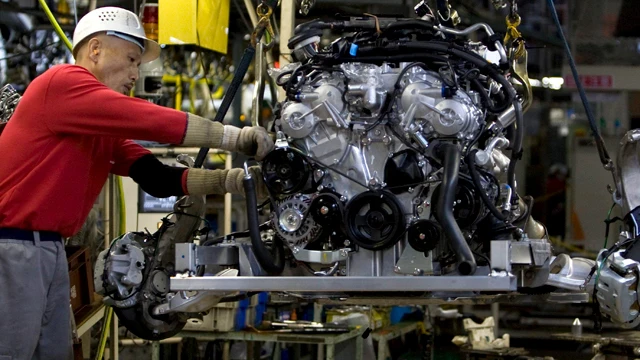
[{"x": 95, "y": 47}]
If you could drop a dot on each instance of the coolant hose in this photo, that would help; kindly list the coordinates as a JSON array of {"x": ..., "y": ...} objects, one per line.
[
  {"x": 451, "y": 165},
  {"x": 272, "y": 264}
]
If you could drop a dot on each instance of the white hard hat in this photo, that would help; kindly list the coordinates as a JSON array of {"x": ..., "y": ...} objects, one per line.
[{"x": 118, "y": 20}]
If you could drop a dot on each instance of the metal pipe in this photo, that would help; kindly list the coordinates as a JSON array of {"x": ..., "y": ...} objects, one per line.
[
  {"x": 228, "y": 164},
  {"x": 473, "y": 28},
  {"x": 142, "y": 342},
  {"x": 258, "y": 87},
  {"x": 287, "y": 23}
]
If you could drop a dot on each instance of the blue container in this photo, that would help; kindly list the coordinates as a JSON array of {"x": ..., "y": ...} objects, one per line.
[
  {"x": 263, "y": 297},
  {"x": 241, "y": 318},
  {"x": 260, "y": 309},
  {"x": 243, "y": 304},
  {"x": 398, "y": 312}
]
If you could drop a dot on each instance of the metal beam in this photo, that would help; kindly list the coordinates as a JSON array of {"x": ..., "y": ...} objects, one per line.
[{"x": 346, "y": 284}]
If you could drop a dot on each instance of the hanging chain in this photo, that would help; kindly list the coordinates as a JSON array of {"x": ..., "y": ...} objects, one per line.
[
  {"x": 264, "y": 12},
  {"x": 517, "y": 53}
]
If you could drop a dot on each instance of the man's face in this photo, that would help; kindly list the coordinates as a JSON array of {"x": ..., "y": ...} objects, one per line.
[{"x": 117, "y": 64}]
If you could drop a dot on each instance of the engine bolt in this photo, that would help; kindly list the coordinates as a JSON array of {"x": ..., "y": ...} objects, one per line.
[
  {"x": 319, "y": 173},
  {"x": 377, "y": 132},
  {"x": 290, "y": 156},
  {"x": 386, "y": 140},
  {"x": 347, "y": 243},
  {"x": 417, "y": 272},
  {"x": 420, "y": 163},
  {"x": 419, "y": 209},
  {"x": 422, "y": 236},
  {"x": 410, "y": 189},
  {"x": 324, "y": 210}
]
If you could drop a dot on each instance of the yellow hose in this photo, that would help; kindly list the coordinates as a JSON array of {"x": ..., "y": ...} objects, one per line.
[
  {"x": 108, "y": 312},
  {"x": 55, "y": 24},
  {"x": 123, "y": 214}
]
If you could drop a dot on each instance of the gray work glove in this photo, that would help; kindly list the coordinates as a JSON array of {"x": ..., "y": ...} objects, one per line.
[
  {"x": 235, "y": 182},
  {"x": 254, "y": 141},
  {"x": 202, "y": 182},
  {"x": 250, "y": 140}
]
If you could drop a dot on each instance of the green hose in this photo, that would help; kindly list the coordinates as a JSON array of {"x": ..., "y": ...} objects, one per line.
[{"x": 55, "y": 24}]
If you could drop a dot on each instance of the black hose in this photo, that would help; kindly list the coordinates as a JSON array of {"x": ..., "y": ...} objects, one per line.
[
  {"x": 451, "y": 160},
  {"x": 229, "y": 95},
  {"x": 475, "y": 177},
  {"x": 496, "y": 109},
  {"x": 516, "y": 150},
  {"x": 273, "y": 264}
]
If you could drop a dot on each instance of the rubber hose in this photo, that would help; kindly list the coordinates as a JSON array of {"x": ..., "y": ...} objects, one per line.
[
  {"x": 229, "y": 95},
  {"x": 451, "y": 164},
  {"x": 475, "y": 84},
  {"x": 272, "y": 264},
  {"x": 476, "y": 182}
]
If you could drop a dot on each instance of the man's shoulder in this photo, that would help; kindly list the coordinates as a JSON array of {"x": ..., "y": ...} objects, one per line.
[{"x": 65, "y": 70}]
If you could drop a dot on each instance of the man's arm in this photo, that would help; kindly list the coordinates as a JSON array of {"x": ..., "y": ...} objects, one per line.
[
  {"x": 77, "y": 103},
  {"x": 161, "y": 180}
]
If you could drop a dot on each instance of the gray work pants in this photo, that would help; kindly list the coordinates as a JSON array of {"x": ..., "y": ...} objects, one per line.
[{"x": 34, "y": 301}]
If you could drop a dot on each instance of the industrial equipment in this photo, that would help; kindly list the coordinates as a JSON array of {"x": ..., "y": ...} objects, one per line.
[{"x": 393, "y": 176}]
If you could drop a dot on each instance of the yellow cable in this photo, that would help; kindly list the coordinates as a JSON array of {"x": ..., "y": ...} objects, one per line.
[
  {"x": 123, "y": 211},
  {"x": 108, "y": 312},
  {"x": 55, "y": 24}
]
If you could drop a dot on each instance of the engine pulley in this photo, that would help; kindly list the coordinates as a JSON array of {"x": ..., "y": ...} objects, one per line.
[
  {"x": 327, "y": 209},
  {"x": 468, "y": 207},
  {"x": 285, "y": 172},
  {"x": 424, "y": 235},
  {"x": 374, "y": 220}
]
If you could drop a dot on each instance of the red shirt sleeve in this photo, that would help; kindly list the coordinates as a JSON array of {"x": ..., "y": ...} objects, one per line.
[
  {"x": 77, "y": 103},
  {"x": 125, "y": 154}
]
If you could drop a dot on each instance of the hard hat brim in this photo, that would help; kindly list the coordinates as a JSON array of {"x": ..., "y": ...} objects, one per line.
[{"x": 151, "y": 51}]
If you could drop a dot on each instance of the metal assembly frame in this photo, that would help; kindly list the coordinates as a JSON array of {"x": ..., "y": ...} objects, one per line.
[{"x": 346, "y": 284}]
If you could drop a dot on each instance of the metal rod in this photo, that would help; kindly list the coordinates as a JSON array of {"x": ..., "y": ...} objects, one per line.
[
  {"x": 228, "y": 164},
  {"x": 258, "y": 89},
  {"x": 287, "y": 24},
  {"x": 141, "y": 342}
]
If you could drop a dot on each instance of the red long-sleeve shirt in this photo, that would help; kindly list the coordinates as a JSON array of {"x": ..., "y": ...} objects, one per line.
[{"x": 67, "y": 134}]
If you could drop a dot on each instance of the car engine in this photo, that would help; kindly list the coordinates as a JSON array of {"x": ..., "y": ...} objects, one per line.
[{"x": 408, "y": 138}]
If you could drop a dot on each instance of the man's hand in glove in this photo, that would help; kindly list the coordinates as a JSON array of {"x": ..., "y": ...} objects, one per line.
[
  {"x": 252, "y": 141},
  {"x": 201, "y": 181}
]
